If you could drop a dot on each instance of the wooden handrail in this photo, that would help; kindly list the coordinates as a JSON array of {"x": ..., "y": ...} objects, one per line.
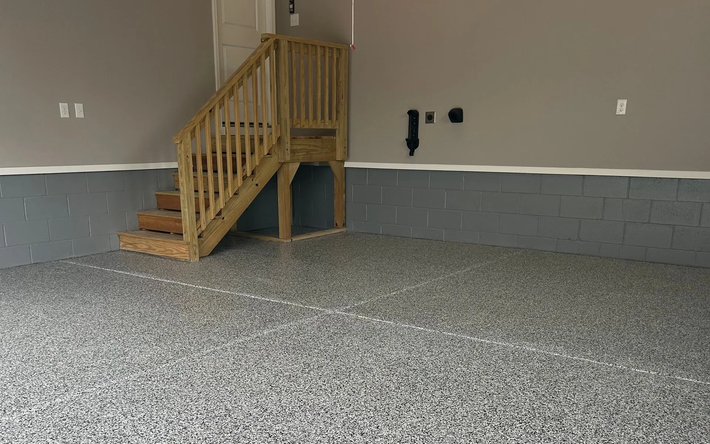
[
  {"x": 224, "y": 90},
  {"x": 305, "y": 41}
]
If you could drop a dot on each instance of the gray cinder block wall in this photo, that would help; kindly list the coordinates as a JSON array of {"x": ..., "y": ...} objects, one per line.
[
  {"x": 312, "y": 189},
  {"x": 47, "y": 217},
  {"x": 646, "y": 219}
]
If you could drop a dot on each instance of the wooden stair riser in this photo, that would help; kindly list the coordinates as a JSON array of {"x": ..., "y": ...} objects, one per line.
[
  {"x": 234, "y": 141},
  {"x": 154, "y": 243},
  {"x": 176, "y": 179},
  {"x": 154, "y": 221},
  {"x": 172, "y": 201},
  {"x": 215, "y": 167}
]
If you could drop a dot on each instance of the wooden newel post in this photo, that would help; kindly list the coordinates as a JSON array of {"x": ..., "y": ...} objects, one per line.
[
  {"x": 338, "y": 168},
  {"x": 284, "y": 107},
  {"x": 187, "y": 196},
  {"x": 341, "y": 151}
]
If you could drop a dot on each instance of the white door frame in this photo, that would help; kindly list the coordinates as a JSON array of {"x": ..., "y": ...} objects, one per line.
[{"x": 269, "y": 28}]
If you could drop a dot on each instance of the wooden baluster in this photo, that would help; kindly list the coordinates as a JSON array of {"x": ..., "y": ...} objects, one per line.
[
  {"x": 200, "y": 177},
  {"x": 292, "y": 75},
  {"x": 218, "y": 152},
  {"x": 255, "y": 109},
  {"x": 303, "y": 85},
  {"x": 311, "y": 90},
  {"x": 228, "y": 131},
  {"x": 319, "y": 89},
  {"x": 326, "y": 89},
  {"x": 247, "y": 137},
  {"x": 238, "y": 138},
  {"x": 272, "y": 68},
  {"x": 210, "y": 168},
  {"x": 334, "y": 86},
  {"x": 341, "y": 149},
  {"x": 264, "y": 106}
]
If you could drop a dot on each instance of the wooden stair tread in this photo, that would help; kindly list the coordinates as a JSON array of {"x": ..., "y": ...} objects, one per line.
[
  {"x": 167, "y": 214},
  {"x": 170, "y": 200},
  {"x": 173, "y": 193},
  {"x": 314, "y": 137},
  {"x": 156, "y": 235},
  {"x": 168, "y": 192}
]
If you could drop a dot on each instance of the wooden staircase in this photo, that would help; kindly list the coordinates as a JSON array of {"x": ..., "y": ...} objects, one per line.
[{"x": 286, "y": 83}]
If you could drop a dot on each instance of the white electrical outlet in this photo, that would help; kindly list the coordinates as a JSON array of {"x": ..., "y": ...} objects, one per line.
[
  {"x": 295, "y": 20},
  {"x": 64, "y": 110},
  {"x": 79, "y": 110},
  {"x": 621, "y": 107}
]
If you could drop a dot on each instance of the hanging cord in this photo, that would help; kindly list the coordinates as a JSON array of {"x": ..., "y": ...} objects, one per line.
[{"x": 352, "y": 39}]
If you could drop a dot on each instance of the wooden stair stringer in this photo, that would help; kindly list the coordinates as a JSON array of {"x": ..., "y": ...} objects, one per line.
[{"x": 235, "y": 207}]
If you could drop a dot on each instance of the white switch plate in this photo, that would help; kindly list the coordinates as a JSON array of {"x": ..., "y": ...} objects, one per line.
[
  {"x": 621, "y": 107},
  {"x": 79, "y": 110},
  {"x": 64, "y": 110},
  {"x": 295, "y": 20}
]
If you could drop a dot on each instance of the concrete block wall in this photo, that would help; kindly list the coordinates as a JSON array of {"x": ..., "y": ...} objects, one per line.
[
  {"x": 312, "y": 189},
  {"x": 646, "y": 219},
  {"x": 313, "y": 197},
  {"x": 48, "y": 217}
]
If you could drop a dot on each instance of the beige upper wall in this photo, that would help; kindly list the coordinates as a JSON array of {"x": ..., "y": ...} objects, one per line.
[
  {"x": 538, "y": 80},
  {"x": 141, "y": 69}
]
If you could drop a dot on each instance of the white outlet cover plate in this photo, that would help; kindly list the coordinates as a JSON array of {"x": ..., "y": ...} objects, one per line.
[
  {"x": 295, "y": 20},
  {"x": 621, "y": 107},
  {"x": 79, "y": 109},
  {"x": 64, "y": 110}
]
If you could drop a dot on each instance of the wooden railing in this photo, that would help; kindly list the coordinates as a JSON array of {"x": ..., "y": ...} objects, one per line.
[
  {"x": 318, "y": 72},
  {"x": 246, "y": 117}
]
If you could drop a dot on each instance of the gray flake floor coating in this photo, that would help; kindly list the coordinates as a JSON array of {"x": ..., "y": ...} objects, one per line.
[{"x": 354, "y": 338}]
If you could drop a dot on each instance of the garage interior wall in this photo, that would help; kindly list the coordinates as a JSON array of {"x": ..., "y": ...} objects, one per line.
[
  {"x": 140, "y": 68},
  {"x": 538, "y": 81}
]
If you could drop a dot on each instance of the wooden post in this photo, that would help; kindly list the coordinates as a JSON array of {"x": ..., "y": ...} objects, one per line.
[
  {"x": 187, "y": 197},
  {"x": 285, "y": 203},
  {"x": 338, "y": 168},
  {"x": 284, "y": 114},
  {"x": 341, "y": 150}
]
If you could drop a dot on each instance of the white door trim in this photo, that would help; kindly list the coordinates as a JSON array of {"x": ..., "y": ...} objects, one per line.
[{"x": 269, "y": 28}]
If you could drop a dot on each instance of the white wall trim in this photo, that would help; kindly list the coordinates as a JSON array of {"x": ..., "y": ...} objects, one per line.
[
  {"x": 534, "y": 170},
  {"x": 14, "y": 171}
]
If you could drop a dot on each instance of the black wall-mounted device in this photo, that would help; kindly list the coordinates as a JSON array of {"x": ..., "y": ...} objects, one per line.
[
  {"x": 292, "y": 6},
  {"x": 413, "y": 133},
  {"x": 456, "y": 115}
]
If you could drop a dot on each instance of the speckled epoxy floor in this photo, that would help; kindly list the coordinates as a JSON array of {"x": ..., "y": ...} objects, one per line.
[{"x": 354, "y": 338}]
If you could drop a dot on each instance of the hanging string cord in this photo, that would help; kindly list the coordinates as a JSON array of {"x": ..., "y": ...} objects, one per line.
[{"x": 352, "y": 39}]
